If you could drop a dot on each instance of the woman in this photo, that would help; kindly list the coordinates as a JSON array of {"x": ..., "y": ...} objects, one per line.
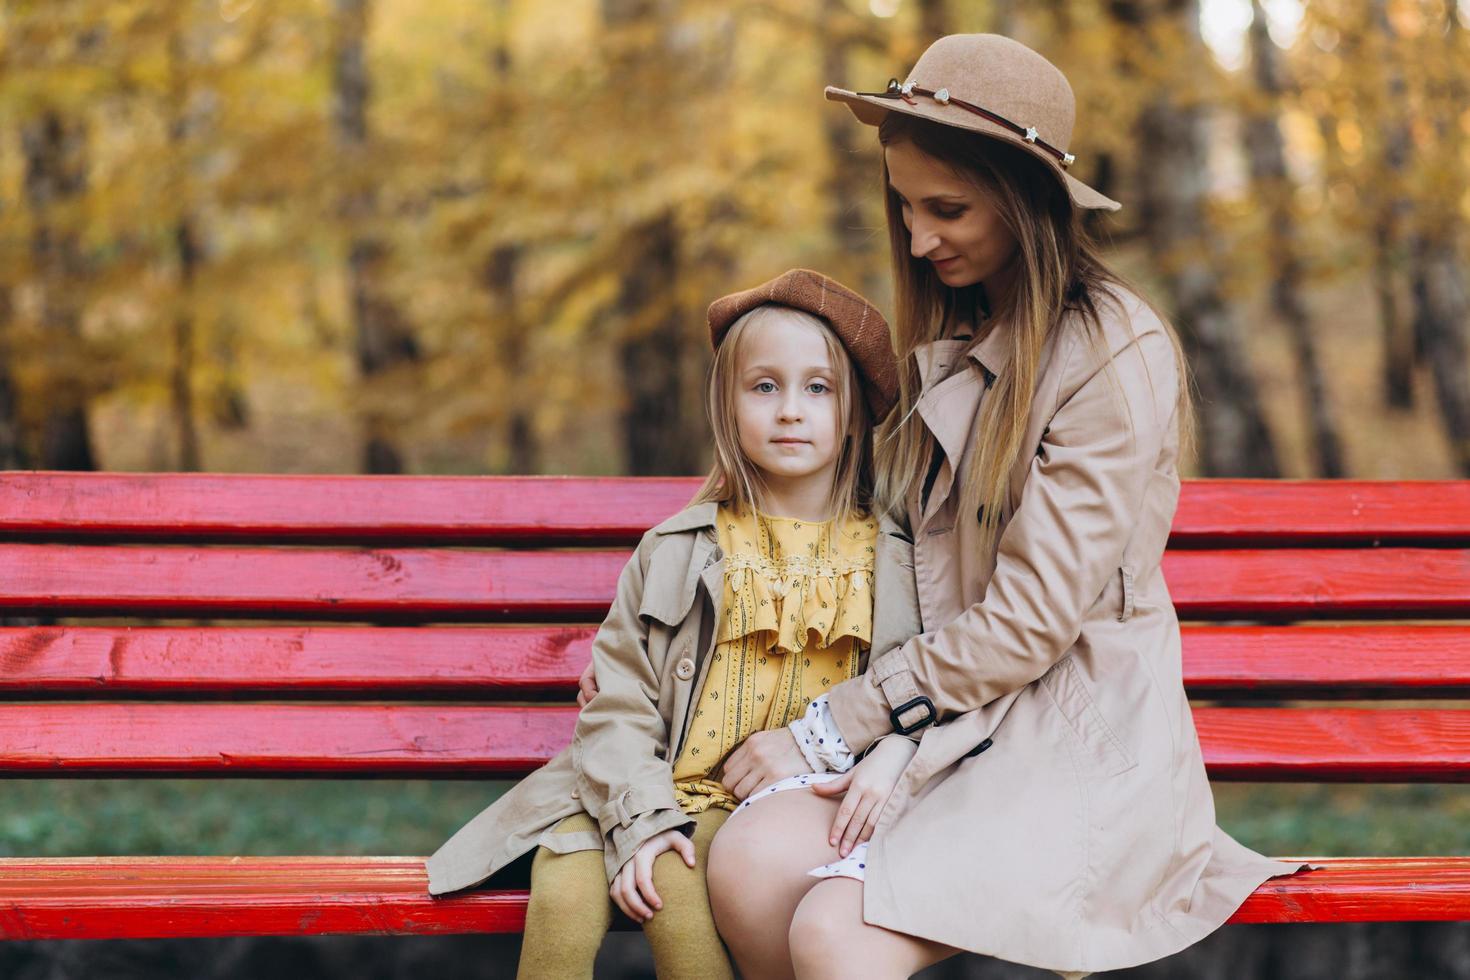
[{"x": 1056, "y": 812}]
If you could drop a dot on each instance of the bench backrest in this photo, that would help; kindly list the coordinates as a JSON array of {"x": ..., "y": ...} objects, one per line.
[{"x": 436, "y": 625}]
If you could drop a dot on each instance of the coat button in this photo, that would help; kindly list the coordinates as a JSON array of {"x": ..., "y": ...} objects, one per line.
[
  {"x": 684, "y": 669},
  {"x": 576, "y": 795}
]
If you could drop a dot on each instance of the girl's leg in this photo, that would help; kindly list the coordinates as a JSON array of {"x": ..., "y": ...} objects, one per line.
[
  {"x": 758, "y": 875},
  {"x": 830, "y": 939},
  {"x": 682, "y": 933},
  {"x": 569, "y": 912}
]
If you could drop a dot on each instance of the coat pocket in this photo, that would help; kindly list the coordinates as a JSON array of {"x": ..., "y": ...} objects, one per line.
[
  {"x": 1101, "y": 744},
  {"x": 900, "y": 548},
  {"x": 896, "y": 615}
]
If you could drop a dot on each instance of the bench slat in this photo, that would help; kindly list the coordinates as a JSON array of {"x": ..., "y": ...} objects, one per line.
[
  {"x": 1214, "y": 513},
  {"x": 317, "y": 661},
  {"x": 60, "y": 739},
  {"x": 290, "y": 583},
  {"x": 1401, "y": 661},
  {"x": 1313, "y": 661},
  {"x": 204, "y": 506},
  {"x": 190, "y": 506},
  {"x": 1335, "y": 744},
  {"x": 448, "y": 584},
  {"x": 228, "y": 739},
  {"x": 172, "y": 897}
]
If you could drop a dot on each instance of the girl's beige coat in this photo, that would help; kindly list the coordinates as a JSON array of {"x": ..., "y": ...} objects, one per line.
[
  {"x": 1083, "y": 838},
  {"x": 650, "y": 657}
]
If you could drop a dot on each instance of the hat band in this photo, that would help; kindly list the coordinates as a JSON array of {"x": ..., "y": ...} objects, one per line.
[{"x": 1028, "y": 133}]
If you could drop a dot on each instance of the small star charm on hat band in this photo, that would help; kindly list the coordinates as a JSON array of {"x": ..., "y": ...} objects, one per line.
[{"x": 1031, "y": 134}]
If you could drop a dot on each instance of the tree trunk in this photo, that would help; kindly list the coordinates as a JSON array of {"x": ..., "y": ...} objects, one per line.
[
  {"x": 56, "y": 174},
  {"x": 385, "y": 339},
  {"x": 1441, "y": 297},
  {"x": 500, "y": 277},
  {"x": 655, "y": 429},
  {"x": 12, "y": 449},
  {"x": 853, "y": 175},
  {"x": 1441, "y": 309},
  {"x": 188, "y": 249},
  {"x": 933, "y": 24},
  {"x": 1273, "y": 187},
  {"x": 654, "y": 346},
  {"x": 181, "y": 385},
  {"x": 1172, "y": 190},
  {"x": 1389, "y": 234}
]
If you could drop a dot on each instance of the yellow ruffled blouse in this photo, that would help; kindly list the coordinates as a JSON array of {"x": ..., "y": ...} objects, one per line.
[{"x": 798, "y": 611}]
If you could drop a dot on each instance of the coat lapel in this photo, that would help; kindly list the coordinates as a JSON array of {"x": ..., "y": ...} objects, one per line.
[
  {"x": 948, "y": 406},
  {"x": 682, "y": 556}
]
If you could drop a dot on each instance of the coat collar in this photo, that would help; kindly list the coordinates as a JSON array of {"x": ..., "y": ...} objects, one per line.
[
  {"x": 991, "y": 355},
  {"x": 993, "y": 352},
  {"x": 691, "y": 518},
  {"x": 951, "y": 397},
  {"x": 683, "y": 555}
]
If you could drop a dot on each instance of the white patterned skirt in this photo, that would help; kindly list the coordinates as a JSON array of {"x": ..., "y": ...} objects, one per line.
[{"x": 856, "y": 862}]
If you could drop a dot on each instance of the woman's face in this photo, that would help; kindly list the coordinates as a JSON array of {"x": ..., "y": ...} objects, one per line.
[{"x": 951, "y": 223}]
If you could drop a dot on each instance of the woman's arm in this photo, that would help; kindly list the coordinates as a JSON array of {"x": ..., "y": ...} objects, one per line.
[
  {"x": 1079, "y": 506},
  {"x": 622, "y": 779}
]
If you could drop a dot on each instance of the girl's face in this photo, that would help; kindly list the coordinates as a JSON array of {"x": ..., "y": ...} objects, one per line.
[
  {"x": 951, "y": 223},
  {"x": 786, "y": 407}
]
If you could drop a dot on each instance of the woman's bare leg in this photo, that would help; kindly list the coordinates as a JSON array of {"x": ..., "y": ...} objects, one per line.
[
  {"x": 828, "y": 938},
  {"x": 758, "y": 868}
]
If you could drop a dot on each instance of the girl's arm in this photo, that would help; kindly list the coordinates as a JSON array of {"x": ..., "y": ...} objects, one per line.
[
  {"x": 1082, "y": 500},
  {"x": 622, "y": 779}
]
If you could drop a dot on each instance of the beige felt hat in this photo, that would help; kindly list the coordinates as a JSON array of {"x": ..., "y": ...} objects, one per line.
[
  {"x": 857, "y": 323},
  {"x": 993, "y": 85}
]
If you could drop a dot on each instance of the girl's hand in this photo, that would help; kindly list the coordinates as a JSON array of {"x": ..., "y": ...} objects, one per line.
[
  {"x": 867, "y": 786},
  {"x": 586, "y": 687},
  {"x": 763, "y": 758},
  {"x": 632, "y": 889}
]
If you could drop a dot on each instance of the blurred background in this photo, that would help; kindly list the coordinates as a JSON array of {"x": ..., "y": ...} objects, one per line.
[{"x": 478, "y": 236}]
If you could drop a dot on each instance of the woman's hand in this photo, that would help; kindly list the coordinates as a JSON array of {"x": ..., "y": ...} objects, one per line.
[
  {"x": 867, "y": 786},
  {"x": 586, "y": 687},
  {"x": 763, "y": 758},
  {"x": 632, "y": 889}
]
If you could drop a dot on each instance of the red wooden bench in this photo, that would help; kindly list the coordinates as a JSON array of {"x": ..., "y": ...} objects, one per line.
[{"x": 522, "y": 567}]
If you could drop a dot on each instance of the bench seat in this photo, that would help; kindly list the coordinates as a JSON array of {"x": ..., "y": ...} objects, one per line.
[
  {"x": 434, "y": 627},
  {"x": 164, "y": 897}
]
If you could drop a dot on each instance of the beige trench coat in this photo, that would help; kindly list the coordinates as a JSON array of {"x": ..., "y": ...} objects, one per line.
[
  {"x": 651, "y": 656},
  {"x": 1083, "y": 837}
]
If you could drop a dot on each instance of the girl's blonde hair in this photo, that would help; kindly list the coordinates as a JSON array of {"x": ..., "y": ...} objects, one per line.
[
  {"x": 1059, "y": 269},
  {"x": 733, "y": 479}
]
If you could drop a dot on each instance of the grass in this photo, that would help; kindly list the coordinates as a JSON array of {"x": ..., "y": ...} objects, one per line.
[{"x": 55, "y": 817}]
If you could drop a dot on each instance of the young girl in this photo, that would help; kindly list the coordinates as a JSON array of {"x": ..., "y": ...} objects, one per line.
[{"x": 731, "y": 617}]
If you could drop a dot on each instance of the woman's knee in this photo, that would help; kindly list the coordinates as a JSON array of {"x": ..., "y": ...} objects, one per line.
[
  {"x": 816, "y": 935},
  {"x": 729, "y": 856}
]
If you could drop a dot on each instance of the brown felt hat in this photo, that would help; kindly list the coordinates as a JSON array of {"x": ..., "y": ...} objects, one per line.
[
  {"x": 857, "y": 323},
  {"x": 992, "y": 85}
]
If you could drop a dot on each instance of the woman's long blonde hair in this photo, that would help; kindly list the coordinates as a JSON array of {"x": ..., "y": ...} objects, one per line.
[
  {"x": 1059, "y": 268},
  {"x": 733, "y": 479}
]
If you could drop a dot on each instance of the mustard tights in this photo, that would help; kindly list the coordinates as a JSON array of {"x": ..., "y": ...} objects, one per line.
[{"x": 570, "y": 911}]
